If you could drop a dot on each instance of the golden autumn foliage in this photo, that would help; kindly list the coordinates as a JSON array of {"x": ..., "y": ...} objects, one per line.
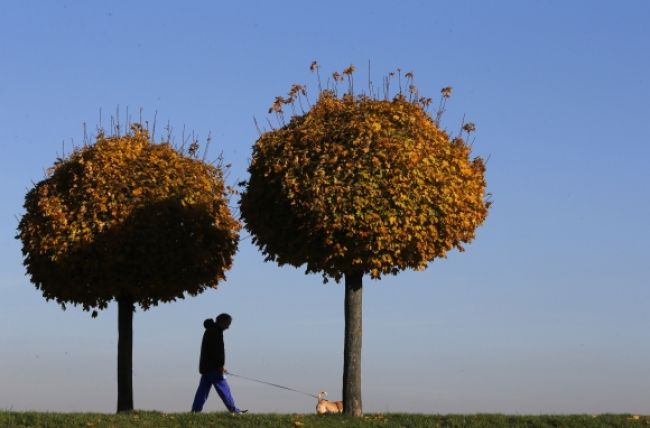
[
  {"x": 127, "y": 218},
  {"x": 360, "y": 184}
]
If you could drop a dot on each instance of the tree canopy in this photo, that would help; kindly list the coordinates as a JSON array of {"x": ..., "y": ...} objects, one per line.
[
  {"x": 361, "y": 184},
  {"x": 127, "y": 217}
]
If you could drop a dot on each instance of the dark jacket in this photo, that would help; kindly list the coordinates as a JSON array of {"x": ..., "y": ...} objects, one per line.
[{"x": 213, "y": 353}]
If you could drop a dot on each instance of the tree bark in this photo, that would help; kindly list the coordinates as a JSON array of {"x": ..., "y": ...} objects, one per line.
[
  {"x": 125, "y": 311},
  {"x": 352, "y": 349}
]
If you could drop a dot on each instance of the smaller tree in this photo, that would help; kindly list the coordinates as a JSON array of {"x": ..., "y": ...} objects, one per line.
[{"x": 129, "y": 220}]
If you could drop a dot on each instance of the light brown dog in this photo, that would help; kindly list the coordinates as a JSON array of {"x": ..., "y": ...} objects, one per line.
[{"x": 325, "y": 406}]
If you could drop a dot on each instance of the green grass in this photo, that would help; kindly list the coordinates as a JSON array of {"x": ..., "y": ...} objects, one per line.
[{"x": 392, "y": 420}]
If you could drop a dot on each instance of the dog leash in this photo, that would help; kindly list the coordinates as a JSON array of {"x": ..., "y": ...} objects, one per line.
[{"x": 272, "y": 384}]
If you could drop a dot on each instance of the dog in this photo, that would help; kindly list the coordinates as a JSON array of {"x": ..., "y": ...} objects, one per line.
[{"x": 325, "y": 406}]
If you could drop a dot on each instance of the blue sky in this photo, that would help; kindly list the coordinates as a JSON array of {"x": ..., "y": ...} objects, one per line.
[{"x": 546, "y": 311}]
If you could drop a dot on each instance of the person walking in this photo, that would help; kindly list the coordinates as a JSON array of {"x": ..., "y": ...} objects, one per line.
[{"x": 211, "y": 366}]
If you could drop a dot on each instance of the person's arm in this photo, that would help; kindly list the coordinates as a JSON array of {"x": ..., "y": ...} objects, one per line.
[{"x": 221, "y": 354}]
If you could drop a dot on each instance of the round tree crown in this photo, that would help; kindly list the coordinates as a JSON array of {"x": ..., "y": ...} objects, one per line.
[
  {"x": 359, "y": 184},
  {"x": 127, "y": 218}
]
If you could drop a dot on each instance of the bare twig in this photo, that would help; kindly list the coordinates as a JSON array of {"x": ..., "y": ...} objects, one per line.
[
  {"x": 369, "y": 81},
  {"x": 85, "y": 134},
  {"x": 314, "y": 67},
  {"x": 168, "y": 128},
  {"x": 207, "y": 145},
  {"x": 183, "y": 140},
  {"x": 117, "y": 121},
  {"x": 462, "y": 124},
  {"x": 153, "y": 129},
  {"x": 399, "y": 80},
  {"x": 257, "y": 126}
]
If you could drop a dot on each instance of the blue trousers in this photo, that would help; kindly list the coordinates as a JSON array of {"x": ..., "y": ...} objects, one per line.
[{"x": 219, "y": 382}]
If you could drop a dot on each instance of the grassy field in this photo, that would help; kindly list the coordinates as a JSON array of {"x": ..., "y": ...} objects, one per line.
[{"x": 225, "y": 420}]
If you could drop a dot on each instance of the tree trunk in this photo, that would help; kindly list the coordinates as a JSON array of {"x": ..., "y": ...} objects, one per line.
[
  {"x": 352, "y": 349},
  {"x": 125, "y": 311}
]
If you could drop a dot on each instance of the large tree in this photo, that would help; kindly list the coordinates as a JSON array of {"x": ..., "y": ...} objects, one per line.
[
  {"x": 129, "y": 220},
  {"x": 361, "y": 185}
]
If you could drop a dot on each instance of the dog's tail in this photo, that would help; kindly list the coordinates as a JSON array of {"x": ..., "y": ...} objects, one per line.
[{"x": 321, "y": 395}]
